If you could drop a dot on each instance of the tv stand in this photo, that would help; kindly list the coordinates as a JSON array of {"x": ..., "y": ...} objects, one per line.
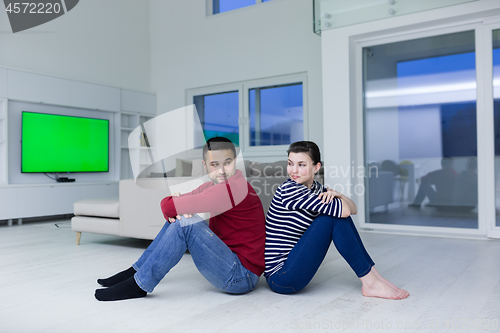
[{"x": 33, "y": 200}]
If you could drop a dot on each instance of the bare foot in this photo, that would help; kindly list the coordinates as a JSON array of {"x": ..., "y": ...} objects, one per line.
[
  {"x": 401, "y": 291},
  {"x": 374, "y": 287}
]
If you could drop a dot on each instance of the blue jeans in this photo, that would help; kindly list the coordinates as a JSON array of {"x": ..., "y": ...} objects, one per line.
[
  {"x": 215, "y": 261},
  {"x": 306, "y": 256}
]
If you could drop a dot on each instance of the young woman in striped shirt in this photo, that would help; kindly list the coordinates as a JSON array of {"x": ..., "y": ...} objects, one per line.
[{"x": 303, "y": 219}]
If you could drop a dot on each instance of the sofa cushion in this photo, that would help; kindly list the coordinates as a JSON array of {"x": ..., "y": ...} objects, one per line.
[
  {"x": 248, "y": 169},
  {"x": 98, "y": 207},
  {"x": 198, "y": 168}
]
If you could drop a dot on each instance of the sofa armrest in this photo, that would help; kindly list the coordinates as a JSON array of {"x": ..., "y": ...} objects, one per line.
[{"x": 140, "y": 212}]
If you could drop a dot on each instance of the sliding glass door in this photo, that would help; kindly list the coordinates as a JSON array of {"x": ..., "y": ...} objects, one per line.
[
  {"x": 420, "y": 131},
  {"x": 495, "y": 34}
]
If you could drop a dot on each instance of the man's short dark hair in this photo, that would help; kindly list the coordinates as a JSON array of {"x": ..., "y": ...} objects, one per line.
[
  {"x": 308, "y": 147},
  {"x": 218, "y": 143}
]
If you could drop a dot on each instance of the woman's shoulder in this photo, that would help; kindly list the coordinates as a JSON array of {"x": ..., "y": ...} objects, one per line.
[
  {"x": 291, "y": 187},
  {"x": 317, "y": 186},
  {"x": 289, "y": 183},
  {"x": 286, "y": 187}
]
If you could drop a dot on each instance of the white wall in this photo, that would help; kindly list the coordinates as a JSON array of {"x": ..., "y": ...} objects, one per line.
[
  {"x": 104, "y": 42},
  {"x": 192, "y": 50}
]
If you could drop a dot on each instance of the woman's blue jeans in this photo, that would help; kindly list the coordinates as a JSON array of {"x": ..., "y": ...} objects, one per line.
[
  {"x": 215, "y": 261},
  {"x": 306, "y": 256}
]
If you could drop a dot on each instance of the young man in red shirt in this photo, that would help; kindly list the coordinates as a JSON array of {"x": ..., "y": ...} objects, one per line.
[{"x": 228, "y": 252}]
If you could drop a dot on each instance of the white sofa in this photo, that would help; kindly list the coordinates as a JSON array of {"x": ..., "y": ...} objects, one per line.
[{"x": 135, "y": 214}]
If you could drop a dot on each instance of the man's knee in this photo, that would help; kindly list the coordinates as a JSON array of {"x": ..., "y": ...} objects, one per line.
[
  {"x": 175, "y": 227},
  {"x": 186, "y": 227},
  {"x": 189, "y": 221}
]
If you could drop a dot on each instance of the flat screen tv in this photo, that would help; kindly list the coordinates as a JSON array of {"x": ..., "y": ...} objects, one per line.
[{"x": 57, "y": 143}]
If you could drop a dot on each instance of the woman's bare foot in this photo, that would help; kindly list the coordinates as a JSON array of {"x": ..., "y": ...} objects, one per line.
[
  {"x": 401, "y": 291},
  {"x": 372, "y": 286}
]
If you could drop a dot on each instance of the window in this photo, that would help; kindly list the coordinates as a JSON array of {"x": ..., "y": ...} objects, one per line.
[
  {"x": 222, "y": 6},
  {"x": 276, "y": 115},
  {"x": 219, "y": 115},
  {"x": 259, "y": 115}
]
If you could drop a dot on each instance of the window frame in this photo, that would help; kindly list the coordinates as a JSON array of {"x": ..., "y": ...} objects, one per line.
[
  {"x": 210, "y": 6},
  {"x": 243, "y": 88},
  {"x": 265, "y": 83},
  {"x": 212, "y": 90},
  {"x": 483, "y": 145},
  {"x": 492, "y": 231}
]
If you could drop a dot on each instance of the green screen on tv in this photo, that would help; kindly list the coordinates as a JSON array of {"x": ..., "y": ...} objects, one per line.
[{"x": 56, "y": 143}]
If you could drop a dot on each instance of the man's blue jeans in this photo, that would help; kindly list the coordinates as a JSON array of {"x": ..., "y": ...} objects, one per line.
[
  {"x": 215, "y": 261},
  {"x": 306, "y": 256}
]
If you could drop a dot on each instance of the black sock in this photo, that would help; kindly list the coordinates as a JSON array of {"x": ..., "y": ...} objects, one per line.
[
  {"x": 124, "y": 290},
  {"x": 117, "y": 278}
]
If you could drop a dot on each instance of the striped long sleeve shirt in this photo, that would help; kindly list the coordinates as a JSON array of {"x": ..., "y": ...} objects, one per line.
[{"x": 292, "y": 210}]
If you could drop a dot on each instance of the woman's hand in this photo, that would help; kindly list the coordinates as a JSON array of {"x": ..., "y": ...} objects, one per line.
[{"x": 329, "y": 195}]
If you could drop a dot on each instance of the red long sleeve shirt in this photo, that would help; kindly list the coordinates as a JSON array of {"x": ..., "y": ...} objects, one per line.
[{"x": 236, "y": 216}]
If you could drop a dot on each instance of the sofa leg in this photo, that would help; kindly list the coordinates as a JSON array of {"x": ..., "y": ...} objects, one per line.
[{"x": 78, "y": 236}]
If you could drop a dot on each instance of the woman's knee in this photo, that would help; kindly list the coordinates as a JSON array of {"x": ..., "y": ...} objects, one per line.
[
  {"x": 324, "y": 219},
  {"x": 332, "y": 218},
  {"x": 324, "y": 222}
]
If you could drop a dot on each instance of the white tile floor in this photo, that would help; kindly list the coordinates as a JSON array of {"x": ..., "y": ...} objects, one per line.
[{"x": 47, "y": 284}]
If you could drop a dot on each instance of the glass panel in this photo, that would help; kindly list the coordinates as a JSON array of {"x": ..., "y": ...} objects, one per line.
[
  {"x": 221, "y": 6},
  {"x": 219, "y": 114},
  {"x": 496, "y": 106},
  {"x": 276, "y": 115},
  {"x": 338, "y": 13},
  {"x": 420, "y": 132}
]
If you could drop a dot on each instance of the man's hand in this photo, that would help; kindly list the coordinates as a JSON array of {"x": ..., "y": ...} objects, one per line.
[
  {"x": 329, "y": 195},
  {"x": 178, "y": 217}
]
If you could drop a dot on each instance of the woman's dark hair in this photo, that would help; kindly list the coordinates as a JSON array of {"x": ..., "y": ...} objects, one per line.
[
  {"x": 218, "y": 143},
  {"x": 308, "y": 147}
]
